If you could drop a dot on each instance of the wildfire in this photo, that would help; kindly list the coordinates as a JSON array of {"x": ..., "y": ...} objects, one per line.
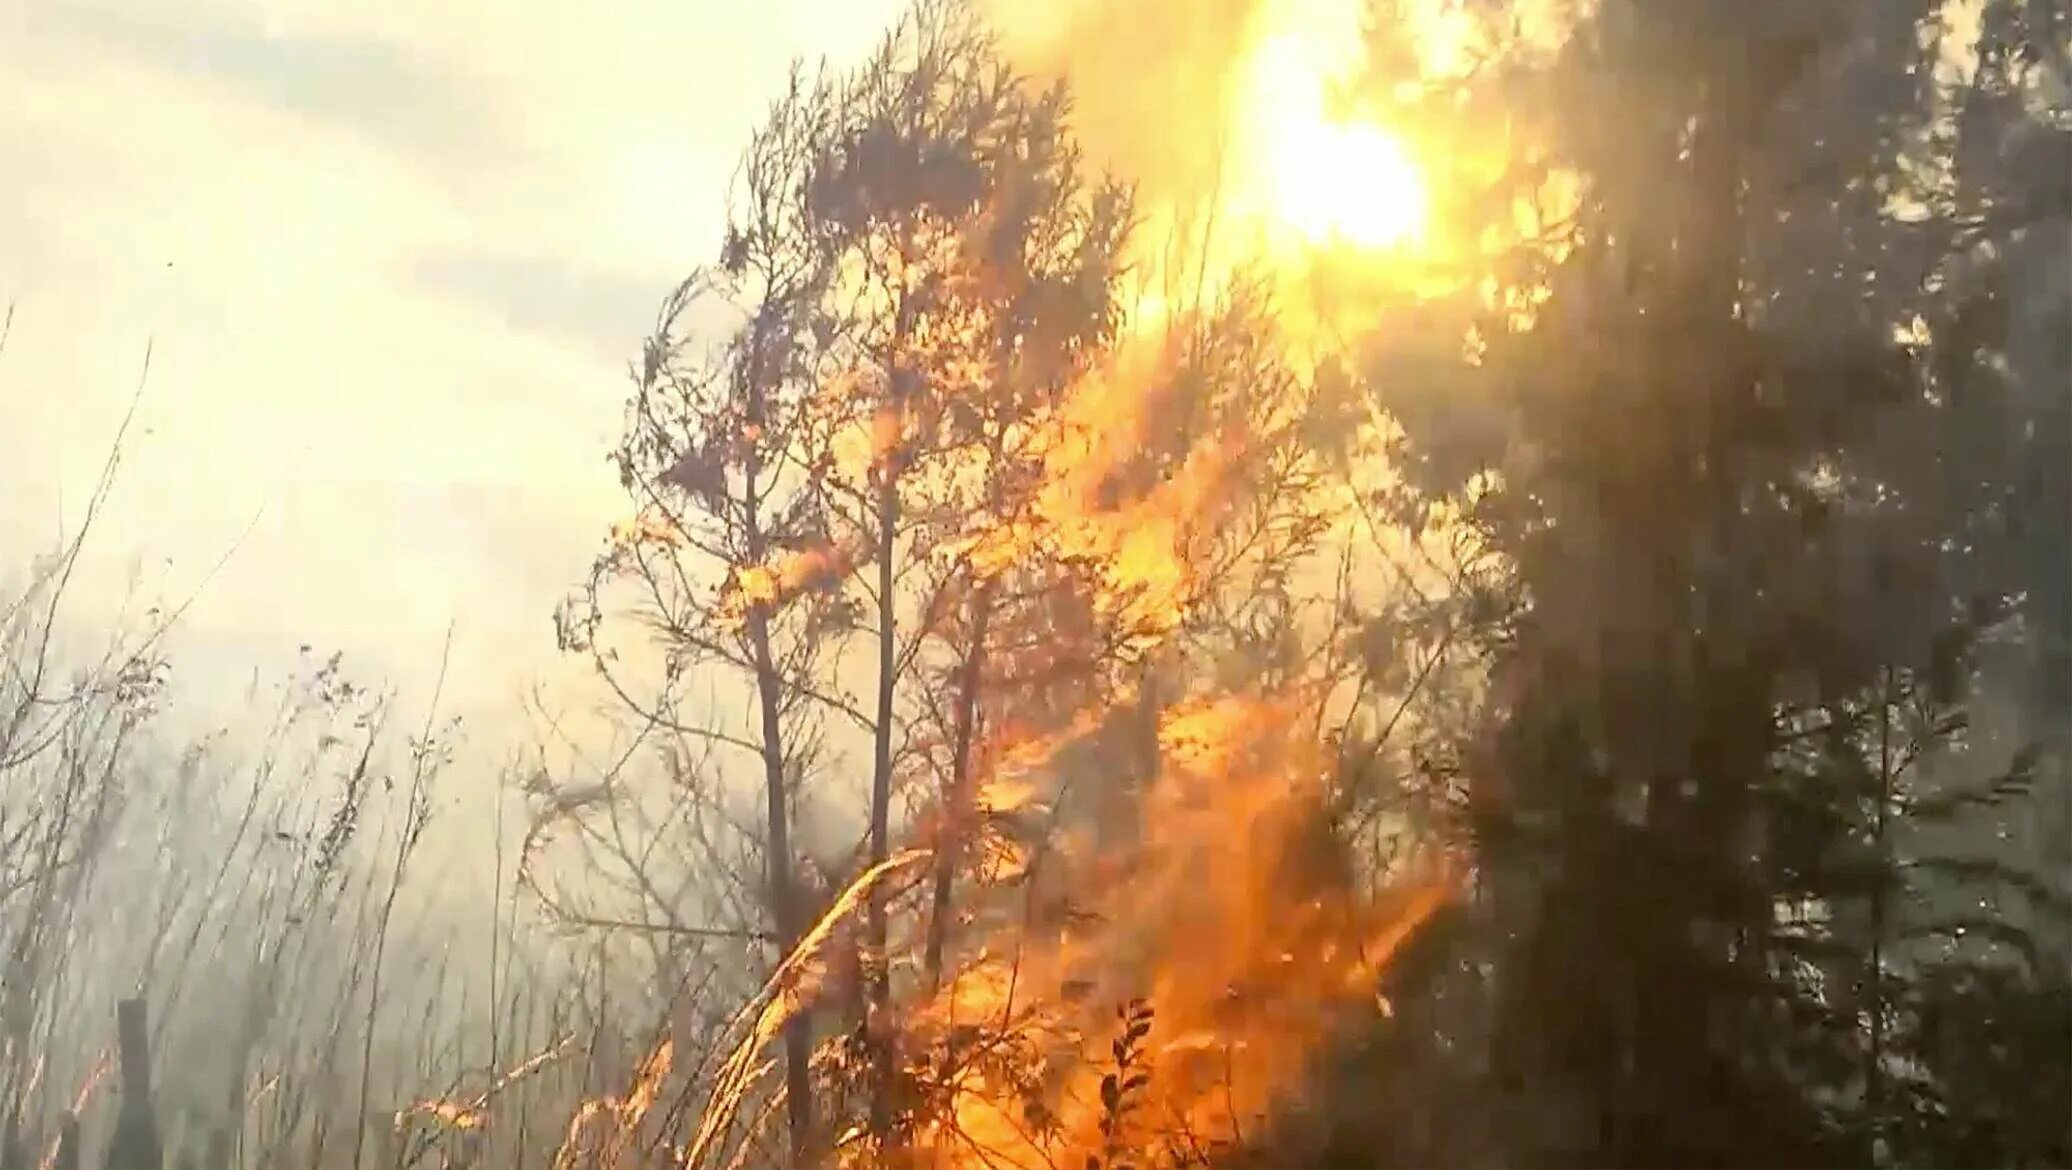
[
  {"x": 792, "y": 573},
  {"x": 474, "y": 1113},
  {"x": 621, "y": 1116},
  {"x": 1212, "y": 943},
  {"x": 1240, "y": 939}
]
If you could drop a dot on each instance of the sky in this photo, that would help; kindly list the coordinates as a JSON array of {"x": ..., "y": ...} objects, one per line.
[{"x": 390, "y": 261}]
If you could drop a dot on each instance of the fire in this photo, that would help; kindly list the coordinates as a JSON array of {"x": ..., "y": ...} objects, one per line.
[
  {"x": 1227, "y": 928},
  {"x": 1220, "y": 935}
]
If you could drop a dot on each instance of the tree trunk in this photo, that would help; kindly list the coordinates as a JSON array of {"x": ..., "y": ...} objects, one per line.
[
  {"x": 135, "y": 1143},
  {"x": 878, "y": 1025},
  {"x": 784, "y": 907},
  {"x": 1874, "y": 977},
  {"x": 1728, "y": 735},
  {"x": 956, "y": 801},
  {"x": 798, "y": 1038}
]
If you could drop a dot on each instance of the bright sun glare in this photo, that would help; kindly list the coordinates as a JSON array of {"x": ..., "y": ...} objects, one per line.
[
  {"x": 1334, "y": 182},
  {"x": 1348, "y": 184}
]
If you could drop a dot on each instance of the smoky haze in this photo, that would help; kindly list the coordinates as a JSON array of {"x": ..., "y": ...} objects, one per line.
[{"x": 1117, "y": 583}]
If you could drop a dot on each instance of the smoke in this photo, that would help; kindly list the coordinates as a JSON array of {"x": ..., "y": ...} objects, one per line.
[{"x": 1153, "y": 81}]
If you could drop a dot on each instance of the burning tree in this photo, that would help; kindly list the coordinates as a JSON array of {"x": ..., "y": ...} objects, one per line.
[{"x": 1054, "y": 547}]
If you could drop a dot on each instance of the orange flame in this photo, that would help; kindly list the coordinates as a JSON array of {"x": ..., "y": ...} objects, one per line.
[
  {"x": 1225, "y": 918},
  {"x": 473, "y": 1113},
  {"x": 623, "y": 1114},
  {"x": 770, "y": 586}
]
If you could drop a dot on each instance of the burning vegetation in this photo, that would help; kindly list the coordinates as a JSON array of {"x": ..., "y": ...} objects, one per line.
[
  {"x": 1090, "y": 568},
  {"x": 1243, "y": 583}
]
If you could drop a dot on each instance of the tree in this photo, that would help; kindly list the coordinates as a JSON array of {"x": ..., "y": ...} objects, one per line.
[
  {"x": 976, "y": 275},
  {"x": 1744, "y": 515},
  {"x": 1687, "y": 591},
  {"x": 920, "y": 267},
  {"x": 729, "y": 542}
]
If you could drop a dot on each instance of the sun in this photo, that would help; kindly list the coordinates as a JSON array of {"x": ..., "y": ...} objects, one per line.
[
  {"x": 1310, "y": 185},
  {"x": 1348, "y": 185},
  {"x": 1334, "y": 182}
]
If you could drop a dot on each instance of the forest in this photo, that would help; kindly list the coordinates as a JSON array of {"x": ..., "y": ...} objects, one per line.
[{"x": 1495, "y": 591}]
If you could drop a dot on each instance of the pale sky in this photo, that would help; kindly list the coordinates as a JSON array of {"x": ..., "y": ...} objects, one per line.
[{"x": 394, "y": 258}]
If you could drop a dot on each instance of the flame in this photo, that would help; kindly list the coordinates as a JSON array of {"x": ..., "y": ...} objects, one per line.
[
  {"x": 1220, "y": 919},
  {"x": 770, "y": 586},
  {"x": 1227, "y": 911},
  {"x": 623, "y": 1115},
  {"x": 792, "y": 988},
  {"x": 473, "y": 1113},
  {"x": 1142, "y": 545},
  {"x": 652, "y": 526}
]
